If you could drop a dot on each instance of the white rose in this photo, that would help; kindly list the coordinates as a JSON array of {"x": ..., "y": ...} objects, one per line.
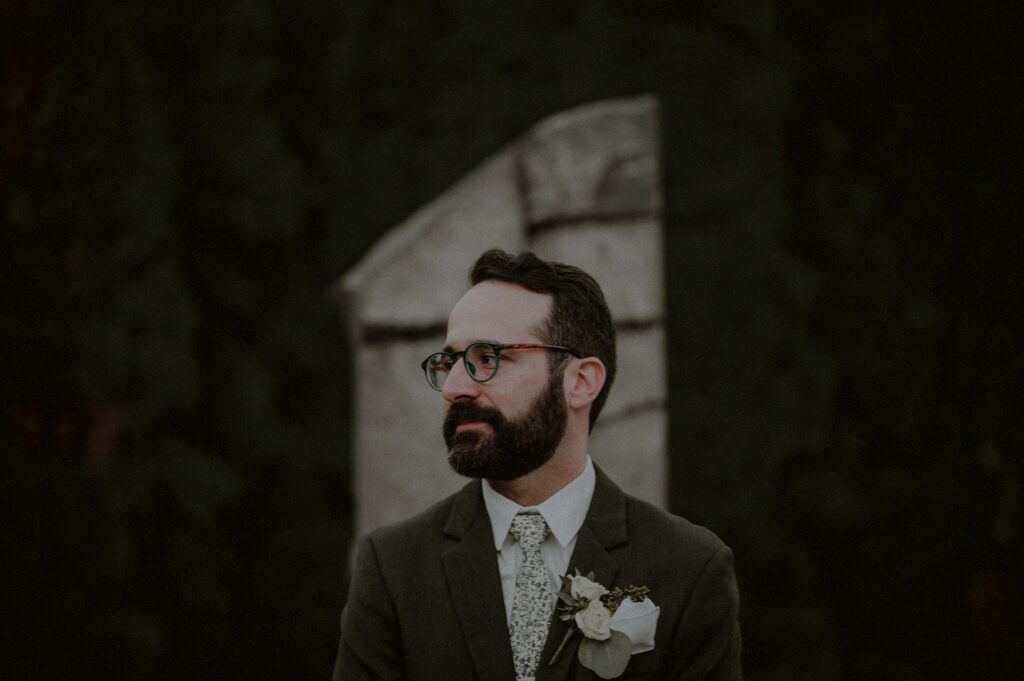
[
  {"x": 593, "y": 621},
  {"x": 584, "y": 588}
]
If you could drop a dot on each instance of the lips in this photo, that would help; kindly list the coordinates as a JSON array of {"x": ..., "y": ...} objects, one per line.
[{"x": 468, "y": 417}]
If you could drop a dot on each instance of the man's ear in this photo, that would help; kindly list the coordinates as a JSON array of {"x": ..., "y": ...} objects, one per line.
[{"x": 584, "y": 379}]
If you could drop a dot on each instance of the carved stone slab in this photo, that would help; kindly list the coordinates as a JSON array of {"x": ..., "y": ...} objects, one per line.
[{"x": 582, "y": 187}]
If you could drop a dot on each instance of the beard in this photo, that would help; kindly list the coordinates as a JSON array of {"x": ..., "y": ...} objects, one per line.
[{"x": 513, "y": 448}]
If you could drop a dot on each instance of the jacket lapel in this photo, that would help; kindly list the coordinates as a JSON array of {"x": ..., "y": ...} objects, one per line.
[
  {"x": 475, "y": 587},
  {"x": 603, "y": 529}
]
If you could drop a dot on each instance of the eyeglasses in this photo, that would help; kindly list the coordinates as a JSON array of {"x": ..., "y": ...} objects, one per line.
[{"x": 481, "y": 360}]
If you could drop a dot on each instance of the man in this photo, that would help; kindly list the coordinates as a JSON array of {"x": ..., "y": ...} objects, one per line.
[{"x": 467, "y": 589}]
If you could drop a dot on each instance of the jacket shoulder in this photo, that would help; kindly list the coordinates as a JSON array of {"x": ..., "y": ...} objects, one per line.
[
  {"x": 670, "y": 533},
  {"x": 426, "y": 525}
]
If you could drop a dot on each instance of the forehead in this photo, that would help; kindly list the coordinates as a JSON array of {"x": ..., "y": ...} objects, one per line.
[{"x": 498, "y": 311}]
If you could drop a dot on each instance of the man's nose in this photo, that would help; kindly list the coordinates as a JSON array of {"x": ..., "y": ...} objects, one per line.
[{"x": 459, "y": 383}]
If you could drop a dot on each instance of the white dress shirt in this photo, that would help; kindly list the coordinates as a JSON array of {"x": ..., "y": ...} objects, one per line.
[{"x": 564, "y": 513}]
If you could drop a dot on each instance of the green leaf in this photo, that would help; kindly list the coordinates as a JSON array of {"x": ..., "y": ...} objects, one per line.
[{"x": 607, "y": 659}]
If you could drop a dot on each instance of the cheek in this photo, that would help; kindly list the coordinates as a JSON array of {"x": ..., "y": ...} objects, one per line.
[
  {"x": 507, "y": 403},
  {"x": 525, "y": 397}
]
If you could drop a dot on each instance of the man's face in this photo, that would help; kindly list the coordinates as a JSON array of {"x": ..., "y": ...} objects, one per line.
[{"x": 510, "y": 425}]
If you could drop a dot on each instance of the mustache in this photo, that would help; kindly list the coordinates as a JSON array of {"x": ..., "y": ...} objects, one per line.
[{"x": 470, "y": 411}]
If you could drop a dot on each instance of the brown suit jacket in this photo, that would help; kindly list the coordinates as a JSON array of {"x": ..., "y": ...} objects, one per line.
[{"x": 425, "y": 599}]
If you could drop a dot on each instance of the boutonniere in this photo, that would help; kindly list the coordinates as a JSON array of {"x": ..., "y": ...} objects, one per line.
[{"x": 615, "y": 624}]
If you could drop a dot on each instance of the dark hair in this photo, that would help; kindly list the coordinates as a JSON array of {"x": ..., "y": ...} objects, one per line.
[{"x": 579, "y": 318}]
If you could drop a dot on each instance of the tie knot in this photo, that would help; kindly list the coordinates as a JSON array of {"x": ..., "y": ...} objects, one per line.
[{"x": 529, "y": 529}]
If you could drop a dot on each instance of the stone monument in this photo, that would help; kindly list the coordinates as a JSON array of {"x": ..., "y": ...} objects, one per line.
[{"x": 582, "y": 187}]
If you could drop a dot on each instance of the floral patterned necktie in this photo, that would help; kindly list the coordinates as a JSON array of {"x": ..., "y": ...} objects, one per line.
[{"x": 532, "y": 604}]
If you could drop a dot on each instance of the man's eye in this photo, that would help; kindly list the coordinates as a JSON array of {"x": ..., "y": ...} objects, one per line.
[{"x": 488, "y": 359}]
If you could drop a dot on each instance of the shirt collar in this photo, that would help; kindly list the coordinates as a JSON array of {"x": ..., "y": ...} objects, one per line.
[{"x": 564, "y": 511}]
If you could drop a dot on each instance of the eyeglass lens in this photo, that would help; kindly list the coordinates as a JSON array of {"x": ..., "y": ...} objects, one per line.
[{"x": 480, "y": 359}]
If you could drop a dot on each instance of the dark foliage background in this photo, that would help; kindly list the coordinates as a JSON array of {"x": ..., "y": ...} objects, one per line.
[{"x": 181, "y": 182}]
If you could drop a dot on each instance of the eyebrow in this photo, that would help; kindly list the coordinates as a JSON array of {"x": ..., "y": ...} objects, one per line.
[{"x": 449, "y": 349}]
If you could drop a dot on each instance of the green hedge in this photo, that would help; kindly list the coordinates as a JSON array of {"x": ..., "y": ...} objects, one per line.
[{"x": 181, "y": 183}]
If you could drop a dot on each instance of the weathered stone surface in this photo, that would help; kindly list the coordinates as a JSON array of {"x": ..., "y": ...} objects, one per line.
[
  {"x": 632, "y": 450},
  {"x": 594, "y": 161},
  {"x": 414, "y": 275},
  {"x": 592, "y": 196},
  {"x": 642, "y": 377},
  {"x": 624, "y": 257},
  {"x": 401, "y": 464}
]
